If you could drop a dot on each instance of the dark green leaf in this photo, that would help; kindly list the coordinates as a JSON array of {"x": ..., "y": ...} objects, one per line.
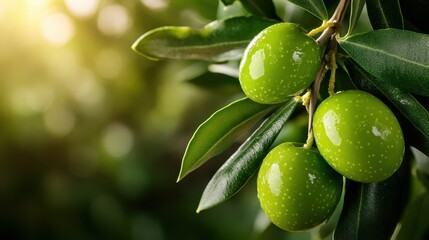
[
  {"x": 315, "y": 7},
  {"x": 371, "y": 211},
  {"x": 415, "y": 224},
  {"x": 216, "y": 81},
  {"x": 228, "y": 2},
  {"x": 394, "y": 56},
  {"x": 219, "y": 132},
  {"x": 385, "y": 14},
  {"x": 356, "y": 10},
  {"x": 237, "y": 170},
  {"x": 263, "y": 8},
  {"x": 218, "y": 41},
  {"x": 402, "y": 100}
]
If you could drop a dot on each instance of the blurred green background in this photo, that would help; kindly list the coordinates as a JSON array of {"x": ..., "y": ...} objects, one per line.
[{"x": 92, "y": 135}]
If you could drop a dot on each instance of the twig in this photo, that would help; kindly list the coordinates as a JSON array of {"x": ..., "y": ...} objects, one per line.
[{"x": 327, "y": 35}]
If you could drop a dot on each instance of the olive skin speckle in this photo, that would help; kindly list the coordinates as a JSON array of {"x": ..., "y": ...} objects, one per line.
[
  {"x": 281, "y": 59},
  {"x": 300, "y": 182},
  {"x": 358, "y": 135}
]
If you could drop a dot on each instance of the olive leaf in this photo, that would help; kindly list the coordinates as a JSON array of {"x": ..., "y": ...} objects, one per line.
[
  {"x": 415, "y": 224},
  {"x": 238, "y": 169},
  {"x": 371, "y": 211},
  {"x": 315, "y": 7},
  {"x": 394, "y": 56},
  {"x": 405, "y": 102},
  {"x": 355, "y": 11},
  {"x": 219, "y": 132},
  {"x": 385, "y": 14},
  {"x": 263, "y": 8},
  {"x": 218, "y": 41}
]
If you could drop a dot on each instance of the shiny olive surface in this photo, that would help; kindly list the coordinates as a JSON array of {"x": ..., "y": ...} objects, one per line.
[
  {"x": 297, "y": 189},
  {"x": 358, "y": 136},
  {"x": 279, "y": 62}
]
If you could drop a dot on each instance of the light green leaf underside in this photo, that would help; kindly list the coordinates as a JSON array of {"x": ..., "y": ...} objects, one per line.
[
  {"x": 355, "y": 12},
  {"x": 218, "y": 41},
  {"x": 385, "y": 14},
  {"x": 315, "y": 7},
  {"x": 220, "y": 131},
  {"x": 394, "y": 56},
  {"x": 238, "y": 169}
]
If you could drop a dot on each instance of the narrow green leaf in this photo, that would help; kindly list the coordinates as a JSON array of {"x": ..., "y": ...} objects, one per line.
[
  {"x": 219, "y": 132},
  {"x": 315, "y": 7},
  {"x": 237, "y": 170},
  {"x": 394, "y": 56},
  {"x": 406, "y": 103},
  {"x": 415, "y": 224},
  {"x": 218, "y": 41},
  {"x": 228, "y": 2},
  {"x": 371, "y": 211},
  {"x": 355, "y": 11},
  {"x": 263, "y": 8},
  {"x": 385, "y": 14}
]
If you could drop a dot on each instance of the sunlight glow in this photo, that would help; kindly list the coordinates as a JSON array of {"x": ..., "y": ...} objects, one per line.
[
  {"x": 113, "y": 20},
  {"x": 58, "y": 29},
  {"x": 2, "y": 9},
  {"x": 82, "y": 8},
  {"x": 37, "y": 4}
]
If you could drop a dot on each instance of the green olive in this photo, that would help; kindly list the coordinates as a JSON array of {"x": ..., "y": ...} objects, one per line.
[
  {"x": 359, "y": 136},
  {"x": 297, "y": 189},
  {"x": 279, "y": 62}
]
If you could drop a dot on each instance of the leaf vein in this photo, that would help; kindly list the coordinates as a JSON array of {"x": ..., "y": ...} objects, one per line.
[{"x": 387, "y": 53}]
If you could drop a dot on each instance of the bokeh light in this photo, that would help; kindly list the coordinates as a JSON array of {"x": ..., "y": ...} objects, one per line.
[
  {"x": 58, "y": 28},
  {"x": 59, "y": 121},
  {"x": 82, "y": 8},
  {"x": 118, "y": 140},
  {"x": 113, "y": 20}
]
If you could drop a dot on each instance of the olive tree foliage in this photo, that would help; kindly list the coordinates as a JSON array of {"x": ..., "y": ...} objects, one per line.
[{"x": 389, "y": 59}]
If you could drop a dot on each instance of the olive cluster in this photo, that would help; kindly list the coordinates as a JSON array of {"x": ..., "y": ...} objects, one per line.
[{"x": 356, "y": 134}]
